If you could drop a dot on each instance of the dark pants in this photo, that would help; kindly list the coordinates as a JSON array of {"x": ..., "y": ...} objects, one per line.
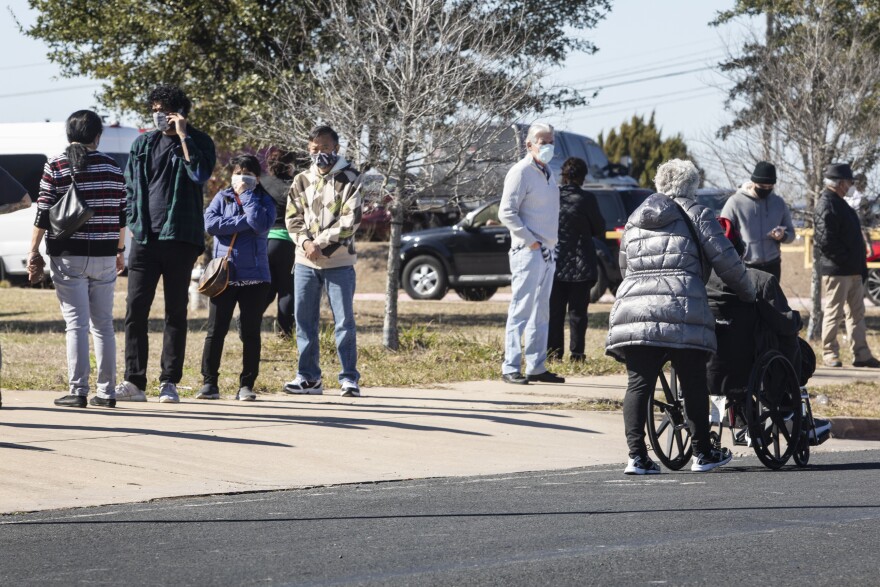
[
  {"x": 173, "y": 262},
  {"x": 281, "y": 254},
  {"x": 773, "y": 267},
  {"x": 251, "y": 300},
  {"x": 575, "y": 296},
  {"x": 643, "y": 365}
]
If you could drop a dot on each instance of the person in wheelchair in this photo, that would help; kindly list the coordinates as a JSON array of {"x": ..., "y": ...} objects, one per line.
[{"x": 745, "y": 331}]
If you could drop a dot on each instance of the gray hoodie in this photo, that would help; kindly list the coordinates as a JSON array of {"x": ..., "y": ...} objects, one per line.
[
  {"x": 662, "y": 301},
  {"x": 754, "y": 218}
]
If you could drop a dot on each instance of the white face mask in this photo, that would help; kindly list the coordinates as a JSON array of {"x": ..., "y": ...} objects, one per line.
[
  {"x": 160, "y": 119},
  {"x": 249, "y": 181},
  {"x": 545, "y": 153}
]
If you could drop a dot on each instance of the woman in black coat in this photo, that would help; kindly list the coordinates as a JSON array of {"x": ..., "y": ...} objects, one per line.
[{"x": 576, "y": 271}]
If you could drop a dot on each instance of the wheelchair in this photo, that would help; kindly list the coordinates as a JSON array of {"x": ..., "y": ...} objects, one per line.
[{"x": 772, "y": 414}]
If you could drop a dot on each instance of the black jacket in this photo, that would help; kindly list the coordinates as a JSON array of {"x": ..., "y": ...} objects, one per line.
[
  {"x": 278, "y": 188},
  {"x": 839, "y": 247},
  {"x": 579, "y": 221}
]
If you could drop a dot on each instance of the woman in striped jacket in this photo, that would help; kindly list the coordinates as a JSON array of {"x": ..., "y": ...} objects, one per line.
[{"x": 85, "y": 264}]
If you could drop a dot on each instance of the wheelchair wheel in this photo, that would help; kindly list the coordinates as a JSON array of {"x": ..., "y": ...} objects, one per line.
[
  {"x": 668, "y": 430},
  {"x": 774, "y": 410},
  {"x": 802, "y": 454}
]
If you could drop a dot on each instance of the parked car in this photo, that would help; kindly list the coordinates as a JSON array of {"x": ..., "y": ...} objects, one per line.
[
  {"x": 872, "y": 285},
  {"x": 472, "y": 258},
  {"x": 714, "y": 198}
]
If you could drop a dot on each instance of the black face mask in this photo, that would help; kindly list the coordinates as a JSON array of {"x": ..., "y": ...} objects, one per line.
[{"x": 763, "y": 192}]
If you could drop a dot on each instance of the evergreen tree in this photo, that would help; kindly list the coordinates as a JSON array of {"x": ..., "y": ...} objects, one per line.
[{"x": 645, "y": 144}]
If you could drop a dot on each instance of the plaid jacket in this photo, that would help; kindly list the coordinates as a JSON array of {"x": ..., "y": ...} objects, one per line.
[
  {"x": 325, "y": 209},
  {"x": 185, "y": 221}
]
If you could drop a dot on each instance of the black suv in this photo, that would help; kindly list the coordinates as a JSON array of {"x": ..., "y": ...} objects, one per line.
[{"x": 471, "y": 257}]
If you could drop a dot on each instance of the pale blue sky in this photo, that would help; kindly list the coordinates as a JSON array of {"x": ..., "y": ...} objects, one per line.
[{"x": 639, "y": 39}]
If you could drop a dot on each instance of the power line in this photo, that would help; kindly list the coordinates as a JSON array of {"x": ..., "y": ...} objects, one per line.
[
  {"x": 647, "y": 105},
  {"x": 648, "y": 67},
  {"x": 36, "y": 92},
  {"x": 647, "y": 79},
  {"x": 41, "y": 64},
  {"x": 654, "y": 51},
  {"x": 638, "y": 99}
]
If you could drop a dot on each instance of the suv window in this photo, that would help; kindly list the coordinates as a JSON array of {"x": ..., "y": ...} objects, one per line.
[
  {"x": 488, "y": 216},
  {"x": 632, "y": 199},
  {"x": 27, "y": 170},
  {"x": 589, "y": 151}
]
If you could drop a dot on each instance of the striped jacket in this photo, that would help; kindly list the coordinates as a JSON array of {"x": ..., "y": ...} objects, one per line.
[
  {"x": 102, "y": 186},
  {"x": 325, "y": 209}
]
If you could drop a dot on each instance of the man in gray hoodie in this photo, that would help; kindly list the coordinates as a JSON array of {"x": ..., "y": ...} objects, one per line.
[{"x": 762, "y": 218}]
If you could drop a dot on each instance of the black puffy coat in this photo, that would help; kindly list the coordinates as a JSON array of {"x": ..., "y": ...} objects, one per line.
[
  {"x": 579, "y": 221},
  {"x": 839, "y": 246}
]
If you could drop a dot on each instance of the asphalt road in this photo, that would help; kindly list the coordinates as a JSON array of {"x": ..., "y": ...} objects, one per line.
[{"x": 742, "y": 524}]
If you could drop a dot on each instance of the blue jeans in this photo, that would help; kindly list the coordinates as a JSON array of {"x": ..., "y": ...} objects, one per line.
[
  {"x": 84, "y": 286},
  {"x": 528, "y": 317},
  {"x": 308, "y": 283}
]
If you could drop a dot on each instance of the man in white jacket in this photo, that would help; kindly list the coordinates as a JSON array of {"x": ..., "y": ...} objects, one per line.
[{"x": 530, "y": 210}]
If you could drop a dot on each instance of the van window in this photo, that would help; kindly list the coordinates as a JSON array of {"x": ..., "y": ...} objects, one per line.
[
  {"x": 612, "y": 208},
  {"x": 26, "y": 169},
  {"x": 584, "y": 148}
]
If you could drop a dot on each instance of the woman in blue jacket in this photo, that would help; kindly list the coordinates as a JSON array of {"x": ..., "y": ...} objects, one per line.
[{"x": 243, "y": 212}]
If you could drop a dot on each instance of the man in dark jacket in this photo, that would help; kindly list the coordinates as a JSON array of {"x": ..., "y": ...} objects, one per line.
[
  {"x": 166, "y": 171},
  {"x": 840, "y": 253},
  {"x": 576, "y": 271}
]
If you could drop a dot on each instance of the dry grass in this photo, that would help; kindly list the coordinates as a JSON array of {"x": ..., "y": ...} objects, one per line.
[{"x": 858, "y": 400}]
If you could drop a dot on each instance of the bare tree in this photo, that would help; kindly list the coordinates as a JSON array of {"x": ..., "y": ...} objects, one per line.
[
  {"x": 416, "y": 87},
  {"x": 807, "y": 96}
]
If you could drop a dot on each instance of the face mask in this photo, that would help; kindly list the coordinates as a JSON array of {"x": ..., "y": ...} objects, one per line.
[
  {"x": 545, "y": 153},
  {"x": 763, "y": 192},
  {"x": 161, "y": 121},
  {"x": 324, "y": 159},
  {"x": 249, "y": 181},
  {"x": 851, "y": 191}
]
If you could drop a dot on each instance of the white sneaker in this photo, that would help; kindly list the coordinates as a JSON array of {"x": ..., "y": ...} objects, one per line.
[
  {"x": 350, "y": 389},
  {"x": 168, "y": 393},
  {"x": 129, "y": 392},
  {"x": 302, "y": 386},
  {"x": 641, "y": 466}
]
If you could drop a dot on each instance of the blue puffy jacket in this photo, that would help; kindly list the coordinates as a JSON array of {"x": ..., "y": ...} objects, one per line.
[{"x": 251, "y": 221}]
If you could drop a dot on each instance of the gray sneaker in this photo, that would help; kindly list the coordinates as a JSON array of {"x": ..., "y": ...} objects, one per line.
[
  {"x": 208, "y": 391},
  {"x": 129, "y": 392},
  {"x": 246, "y": 394},
  {"x": 168, "y": 393}
]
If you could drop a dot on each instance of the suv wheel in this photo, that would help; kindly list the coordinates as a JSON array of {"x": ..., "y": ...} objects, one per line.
[
  {"x": 872, "y": 286},
  {"x": 424, "y": 278},
  {"x": 476, "y": 294}
]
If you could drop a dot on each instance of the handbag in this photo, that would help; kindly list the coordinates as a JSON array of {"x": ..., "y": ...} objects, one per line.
[
  {"x": 69, "y": 213},
  {"x": 215, "y": 279}
]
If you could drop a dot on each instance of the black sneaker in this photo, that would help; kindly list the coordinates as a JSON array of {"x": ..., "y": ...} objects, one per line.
[
  {"x": 71, "y": 401},
  {"x": 516, "y": 378},
  {"x": 641, "y": 466},
  {"x": 103, "y": 402},
  {"x": 711, "y": 460},
  {"x": 871, "y": 363},
  {"x": 547, "y": 377}
]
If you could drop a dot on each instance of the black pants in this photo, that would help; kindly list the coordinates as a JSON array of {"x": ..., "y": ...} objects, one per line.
[
  {"x": 251, "y": 300},
  {"x": 575, "y": 296},
  {"x": 643, "y": 365},
  {"x": 281, "y": 254},
  {"x": 774, "y": 267},
  {"x": 173, "y": 262}
]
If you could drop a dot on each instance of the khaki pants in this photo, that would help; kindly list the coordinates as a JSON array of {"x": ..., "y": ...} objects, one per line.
[{"x": 844, "y": 297}]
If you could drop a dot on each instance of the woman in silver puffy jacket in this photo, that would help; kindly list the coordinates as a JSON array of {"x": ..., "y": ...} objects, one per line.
[{"x": 662, "y": 312}]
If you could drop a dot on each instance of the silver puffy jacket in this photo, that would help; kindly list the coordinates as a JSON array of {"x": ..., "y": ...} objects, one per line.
[{"x": 662, "y": 300}]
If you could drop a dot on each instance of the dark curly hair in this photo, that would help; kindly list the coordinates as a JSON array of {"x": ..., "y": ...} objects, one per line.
[
  {"x": 280, "y": 163},
  {"x": 172, "y": 98},
  {"x": 574, "y": 171}
]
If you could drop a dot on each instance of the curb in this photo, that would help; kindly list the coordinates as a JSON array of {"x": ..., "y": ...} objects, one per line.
[{"x": 855, "y": 428}]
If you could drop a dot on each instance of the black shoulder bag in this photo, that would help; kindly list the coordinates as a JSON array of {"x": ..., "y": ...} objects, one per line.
[{"x": 69, "y": 213}]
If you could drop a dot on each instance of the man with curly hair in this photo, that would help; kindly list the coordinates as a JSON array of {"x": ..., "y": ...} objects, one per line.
[{"x": 164, "y": 179}]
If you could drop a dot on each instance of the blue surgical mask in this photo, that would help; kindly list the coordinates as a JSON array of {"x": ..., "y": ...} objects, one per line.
[
  {"x": 545, "y": 153},
  {"x": 249, "y": 181},
  {"x": 324, "y": 159}
]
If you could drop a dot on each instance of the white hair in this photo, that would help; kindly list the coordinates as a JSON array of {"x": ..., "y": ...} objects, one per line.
[
  {"x": 831, "y": 183},
  {"x": 537, "y": 128},
  {"x": 677, "y": 178}
]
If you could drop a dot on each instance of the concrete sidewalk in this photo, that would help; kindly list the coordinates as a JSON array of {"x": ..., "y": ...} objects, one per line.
[{"x": 60, "y": 457}]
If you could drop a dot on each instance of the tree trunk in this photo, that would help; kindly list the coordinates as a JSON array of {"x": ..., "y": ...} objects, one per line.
[
  {"x": 390, "y": 332},
  {"x": 814, "y": 329}
]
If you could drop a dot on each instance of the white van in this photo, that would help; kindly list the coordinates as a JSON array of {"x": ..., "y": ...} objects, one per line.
[{"x": 24, "y": 149}]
